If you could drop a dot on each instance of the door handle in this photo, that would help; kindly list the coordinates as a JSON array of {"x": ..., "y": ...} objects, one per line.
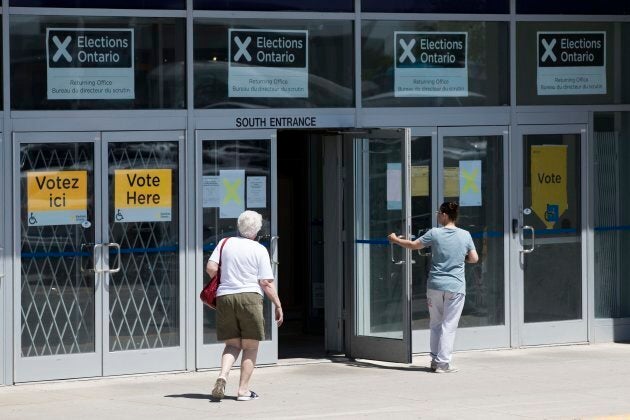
[
  {"x": 94, "y": 253},
  {"x": 514, "y": 226},
  {"x": 273, "y": 249},
  {"x": 531, "y": 249},
  {"x": 1, "y": 255},
  {"x": 117, "y": 246},
  {"x": 391, "y": 253}
]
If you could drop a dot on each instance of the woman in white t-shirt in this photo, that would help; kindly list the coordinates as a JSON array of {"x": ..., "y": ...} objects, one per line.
[{"x": 245, "y": 277}]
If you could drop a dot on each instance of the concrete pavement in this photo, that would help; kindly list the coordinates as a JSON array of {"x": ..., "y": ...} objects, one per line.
[{"x": 585, "y": 381}]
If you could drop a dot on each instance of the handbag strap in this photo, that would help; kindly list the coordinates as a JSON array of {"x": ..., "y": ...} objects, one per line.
[{"x": 220, "y": 254}]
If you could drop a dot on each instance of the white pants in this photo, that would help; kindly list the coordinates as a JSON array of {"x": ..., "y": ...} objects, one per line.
[{"x": 445, "y": 308}]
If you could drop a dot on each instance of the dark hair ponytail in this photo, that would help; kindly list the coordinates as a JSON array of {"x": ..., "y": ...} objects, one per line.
[{"x": 450, "y": 209}]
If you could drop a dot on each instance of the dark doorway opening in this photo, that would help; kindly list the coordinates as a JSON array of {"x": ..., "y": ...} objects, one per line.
[{"x": 300, "y": 228}]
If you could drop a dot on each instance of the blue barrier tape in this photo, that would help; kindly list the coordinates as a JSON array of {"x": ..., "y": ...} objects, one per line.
[
  {"x": 87, "y": 254},
  {"x": 611, "y": 228},
  {"x": 54, "y": 254}
]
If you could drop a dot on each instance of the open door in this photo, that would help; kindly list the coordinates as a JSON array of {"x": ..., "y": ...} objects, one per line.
[{"x": 380, "y": 314}]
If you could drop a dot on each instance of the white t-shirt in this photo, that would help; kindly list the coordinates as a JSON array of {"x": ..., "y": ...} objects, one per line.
[{"x": 243, "y": 263}]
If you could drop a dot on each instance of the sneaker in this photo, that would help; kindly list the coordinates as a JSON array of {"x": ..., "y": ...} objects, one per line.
[
  {"x": 252, "y": 396},
  {"x": 446, "y": 369},
  {"x": 434, "y": 365},
  {"x": 219, "y": 389}
]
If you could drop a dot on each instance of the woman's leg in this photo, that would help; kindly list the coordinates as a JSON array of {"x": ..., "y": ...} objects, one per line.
[
  {"x": 453, "y": 306},
  {"x": 230, "y": 354},
  {"x": 435, "y": 303},
  {"x": 248, "y": 362}
]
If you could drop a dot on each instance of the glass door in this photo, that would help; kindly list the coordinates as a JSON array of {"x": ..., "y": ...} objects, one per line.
[
  {"x": 470, "y": 165},
  {"x": 58, "y": 292},
  {"x": 237, "y": 173},
  {"x": 143, "y": 311},
  {"x": 381, "y": 287},
  {"x": 549, "y": 236}
]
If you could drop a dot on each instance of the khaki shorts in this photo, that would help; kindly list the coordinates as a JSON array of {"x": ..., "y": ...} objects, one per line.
[{"x": 240, "y": 316}]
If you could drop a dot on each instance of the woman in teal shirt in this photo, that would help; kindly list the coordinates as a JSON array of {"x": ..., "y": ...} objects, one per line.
[{"x": 451, "y": 248}]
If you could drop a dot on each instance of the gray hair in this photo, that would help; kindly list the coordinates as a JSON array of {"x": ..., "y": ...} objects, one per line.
[{"x": 249, "y": 223}]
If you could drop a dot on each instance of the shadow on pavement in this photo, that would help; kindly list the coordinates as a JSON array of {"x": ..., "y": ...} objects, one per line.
[
  {"x": 377, "y": 365},
  {"x": 199, "y": 397}
]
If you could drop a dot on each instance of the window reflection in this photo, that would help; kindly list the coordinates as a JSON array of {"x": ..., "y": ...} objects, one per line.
[{"x": 159, "y": 66}]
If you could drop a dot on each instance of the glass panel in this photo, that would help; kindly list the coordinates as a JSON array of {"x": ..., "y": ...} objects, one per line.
[
  {"x": 573, "y": 7},
  {"x": 277, "y": 5},
  {"x": 442, "y": 6},
  {"x": 330, "y": 83},
  {"x": 379, "y": 192},
  {"x": 551, "y": 201},
  {"x": 481, "y": 213},
  {"x": 103, "y": 4},
  {"x": 485, "y": 75},
  {"x": 421, "y": 219},
  {"x": 563, "y": 85},
  {"x": 57, "y": 290},
  {"x": 611, "y": 146},
  {"x": 156, "y": 80},
  {"x": 144, "y": 294},
  {"x": 253, "y": 159}
]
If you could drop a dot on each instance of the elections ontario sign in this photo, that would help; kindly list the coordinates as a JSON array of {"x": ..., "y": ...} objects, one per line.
[
  {"x": 90, "y": 63},
  {"x": 430, "y": 64},
  {"x": 268, "y": 63},
  {"x": 571, "y": 63}
]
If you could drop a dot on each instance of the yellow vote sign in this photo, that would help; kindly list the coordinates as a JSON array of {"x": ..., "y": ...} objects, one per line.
[
  {"x": 143, "y": 195},
  {"x": 56, "y": 197},
  {"x": 549, "y": 182}
]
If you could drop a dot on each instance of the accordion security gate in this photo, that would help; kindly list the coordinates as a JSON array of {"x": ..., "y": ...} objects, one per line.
[{"x": 99, "y": 294}]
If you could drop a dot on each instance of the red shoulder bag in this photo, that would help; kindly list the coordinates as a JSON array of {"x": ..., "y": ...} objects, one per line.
[{"x": 208, "y": 294}]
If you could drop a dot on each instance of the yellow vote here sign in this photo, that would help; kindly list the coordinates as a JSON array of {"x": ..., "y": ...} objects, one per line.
[
  {"x": 56, "y": 197},
  {"x": 549, "y": 182},
  {"x": 143, "y": 195}
]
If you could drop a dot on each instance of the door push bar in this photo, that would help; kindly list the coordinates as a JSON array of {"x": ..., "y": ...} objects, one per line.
[
  {"x": 531, "y": 249},
  {"x": 1, "y": 256},
  {"x": 95, "y": 248},
  {"x": 391, "y": 253},
  {"x": 273, "y": 248}
]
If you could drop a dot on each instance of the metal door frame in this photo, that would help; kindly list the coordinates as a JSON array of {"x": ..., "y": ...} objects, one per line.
[
  {"x": 369, "y": 347},
  {"x": 209, "y": 355},
  {"x": 556, "y": 332},
  {"x": 58, "y": 366},
  {"x": 146, "y": 360},
  {"x": 496, "y": 336}
]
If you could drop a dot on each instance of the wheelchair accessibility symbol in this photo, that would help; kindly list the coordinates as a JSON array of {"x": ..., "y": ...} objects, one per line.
[
  {"x": 32, "y": 220},
  {"x": 119, "y": 216}
]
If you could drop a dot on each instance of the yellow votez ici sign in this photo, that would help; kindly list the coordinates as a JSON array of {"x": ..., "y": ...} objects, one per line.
[
  {"x": 56, "y": 198},
  {"x": 143, "y": 195}
]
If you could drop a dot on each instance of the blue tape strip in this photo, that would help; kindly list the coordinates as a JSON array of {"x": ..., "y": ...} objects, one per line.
[
  {"x": 54, "y": 254},
  {"x": 611, "y": 228},
  {"x": 87, "y": 254},
  {"x": 554, "y": 231}
]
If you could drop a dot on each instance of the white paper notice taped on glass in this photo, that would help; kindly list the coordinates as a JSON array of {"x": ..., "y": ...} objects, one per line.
[
  {"x": 232, "y": 193},
  {"x": 210, "y": 191},
  {"x": 256, "y": 192},
  {"x": 90, "y": 63},
  {"x": 571, "y": 63},
  {"x": 268, "y": 63},
  {"x": 469, "y": 183},
  {"x": 394, "y": 186}
]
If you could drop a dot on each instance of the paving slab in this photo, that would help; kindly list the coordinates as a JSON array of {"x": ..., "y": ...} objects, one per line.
[{"x": 564, "y": 382}]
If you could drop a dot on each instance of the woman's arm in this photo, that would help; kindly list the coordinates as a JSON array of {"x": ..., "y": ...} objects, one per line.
[
  {"x": 270, "y": 291},
  {"x": 405, "y": 243},
  {"x": 212, "y": 268},
  {"x": 471, "y": 257}
]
